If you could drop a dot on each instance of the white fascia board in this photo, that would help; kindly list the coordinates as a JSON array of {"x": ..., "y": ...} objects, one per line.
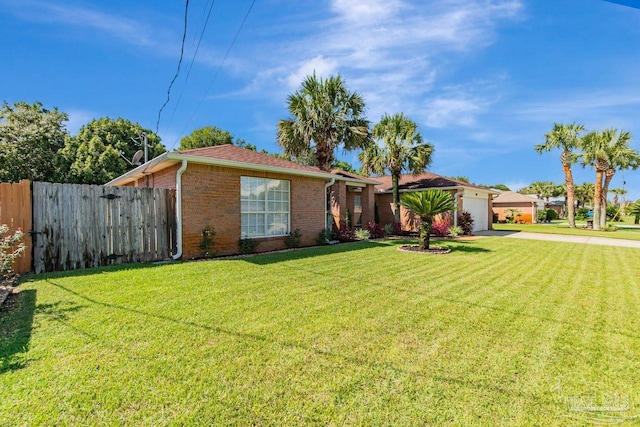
[
  {"x": 140, "y": 171},
  {"x": 249, "y": 166}
]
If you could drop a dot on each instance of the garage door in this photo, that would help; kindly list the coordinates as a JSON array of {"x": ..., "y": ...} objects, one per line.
[{"x": 479, "y": 210}]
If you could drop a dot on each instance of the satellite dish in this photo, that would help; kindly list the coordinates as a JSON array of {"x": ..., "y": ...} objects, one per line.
[{"x": 136, "y": 158}]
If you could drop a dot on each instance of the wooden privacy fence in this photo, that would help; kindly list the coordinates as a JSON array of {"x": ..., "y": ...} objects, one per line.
[
  {"x": 15, "y": 211},
  {"x": 81, "y": 226}
]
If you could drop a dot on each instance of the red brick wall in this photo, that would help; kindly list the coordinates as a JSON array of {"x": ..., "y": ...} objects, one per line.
[
  {"x": 525, "y": 210},
  {"x": 408, "y": 220},
  {"x": 211, "y": 196}
]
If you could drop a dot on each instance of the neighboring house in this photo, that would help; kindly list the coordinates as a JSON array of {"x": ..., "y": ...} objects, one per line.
[
  {"x": 527, "y": 205},
  {"x": 245, "y": 194},
  {"x": 468, "y": 197}
]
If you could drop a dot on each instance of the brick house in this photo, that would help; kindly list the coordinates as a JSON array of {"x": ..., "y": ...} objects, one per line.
[
  {"x": 245, "y": 194},
  {"x": 468, "y": 197},
  {"x": 527, "y": 205}
]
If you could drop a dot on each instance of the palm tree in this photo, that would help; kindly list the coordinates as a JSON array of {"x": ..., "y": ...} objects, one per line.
[
  {"x": 584, "y": 194},
  {"x": 325, "y": 115},
  {"x": 427, "y": 204},
  {"x": 542, "y": 189},
  {"x": 607, "y": 151},
  {"x": 567, "y": 138},
  {"x": 635, "y": 211},
  {"x": 402, "y": 149},
  {"x": 618, "y": 192}
]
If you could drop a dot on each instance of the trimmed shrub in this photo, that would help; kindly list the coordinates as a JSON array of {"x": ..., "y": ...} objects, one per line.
[
  {"x": 455, "y": 231},
  {"x": 362, "y": 234},
  {"x": 440, "y": 228},
  {"x": 541, "y": 216},
  {"x": 551, "y": 215},
  {"x": 294, "y": 239},
  {"x": 465, "y": 222},
  {"x": 324, "y": 236},
  {"x": 247, "y": 246},
  {"x": 376, "y": 231}
]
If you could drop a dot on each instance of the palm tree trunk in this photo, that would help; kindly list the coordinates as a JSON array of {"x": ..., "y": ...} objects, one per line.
[
  {"x": 597, "y": 200},
  {"x": 425, "y": 232},
  {"x": 608, "y": 176},
  {"x": 396, "y": 198},
  {"x": 571, "y": 195}
]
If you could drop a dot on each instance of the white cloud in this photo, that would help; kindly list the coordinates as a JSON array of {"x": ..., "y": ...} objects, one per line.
[{"x": 442, "y": 112}]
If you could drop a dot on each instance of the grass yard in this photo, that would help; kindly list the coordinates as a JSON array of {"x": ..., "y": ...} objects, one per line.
[
  {"x": 501, "y": 331},
  {"x": 562, "y": 228}
]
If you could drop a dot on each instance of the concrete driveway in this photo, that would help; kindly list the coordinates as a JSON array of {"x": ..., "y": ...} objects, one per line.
[{"x": 589, "y": 240}]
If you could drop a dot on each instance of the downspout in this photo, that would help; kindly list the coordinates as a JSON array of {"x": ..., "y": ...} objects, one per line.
[
  {"x": 326, "y": 208},
  {"x": 455, "y": 199},
  {"x": 178, "y": 253}
]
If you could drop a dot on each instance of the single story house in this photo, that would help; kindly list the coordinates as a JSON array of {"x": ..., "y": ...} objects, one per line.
[
  {"x": 245, "y": 194},
  {"x": 527, "y": 205},
  {"x": 468, "y": 197}
]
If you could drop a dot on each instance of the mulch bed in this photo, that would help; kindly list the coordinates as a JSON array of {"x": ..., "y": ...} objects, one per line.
[
  {"x": 6, "y": 287},
  {"x": 433, "y": 250}
]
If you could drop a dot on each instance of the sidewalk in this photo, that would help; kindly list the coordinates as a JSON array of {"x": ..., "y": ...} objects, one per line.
[{"x": 589, "y": 240}]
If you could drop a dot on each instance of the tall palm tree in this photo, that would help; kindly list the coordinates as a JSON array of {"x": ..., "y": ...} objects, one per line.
[
  {"x": 584, "y": 194},
  {"x": 402, "y": 149},
  {"x": 607, "y": 151},
  {"x": 427, "y": 204},
  {"x": 567, "y": 138},
  {"x": 325, "y": 116},
  {"x": 542, "y": 189}
]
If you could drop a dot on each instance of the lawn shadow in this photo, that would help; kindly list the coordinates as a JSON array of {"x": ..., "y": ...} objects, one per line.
[
  {"x": 312, "y": 251},
  {"x": 16, "y": 323},
  {"x": 93, "y": 270}
]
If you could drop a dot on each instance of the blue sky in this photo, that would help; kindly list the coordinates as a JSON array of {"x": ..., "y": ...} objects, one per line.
[{"x": 484, "y": 79}]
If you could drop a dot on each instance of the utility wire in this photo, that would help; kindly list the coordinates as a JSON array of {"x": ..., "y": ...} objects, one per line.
[
  {"x": 204, "y": 28},
  {"x": 184, "y": 36},
  {"x": 219, "y": 68}
]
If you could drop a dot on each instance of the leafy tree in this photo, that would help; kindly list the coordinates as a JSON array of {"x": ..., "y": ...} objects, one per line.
[
  {"x": 500, "y": 187},
  {"x": 93, "y": 156},
  {"x": 207, "y": 136},
  {"x": 427, "y": 204},
  {"x": 542, "y": 189},
  {"x": 402, "y": 149},
  {"x": 566, "y": 138},
  {"x": 461, "y": 178},
  {"x": 345, "y": 166},
  {"x": 325, "y": 116},
  {"x": 30, "y": 138},
  {"x": 607, "y": 151}
]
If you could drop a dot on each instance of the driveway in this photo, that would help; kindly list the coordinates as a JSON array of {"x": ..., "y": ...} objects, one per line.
[{"x": 589, "y": 240}]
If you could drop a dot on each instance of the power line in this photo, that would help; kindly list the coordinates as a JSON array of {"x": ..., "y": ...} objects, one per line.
[
  {"x": 204, "y": 28},
  {"x": 219, "y": 68},
  {"x": 184, "y": 36}
]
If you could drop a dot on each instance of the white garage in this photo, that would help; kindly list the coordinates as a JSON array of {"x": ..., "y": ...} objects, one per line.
[{"x": 476, "y": 202}]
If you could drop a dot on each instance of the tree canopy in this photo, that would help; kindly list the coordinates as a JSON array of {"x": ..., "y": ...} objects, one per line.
[
  {"x": 30, "y": 138},
  {"x": 93, "y": 156},
  {"x": 325, "y": 115},
  {"x": 207, "y": 136}
]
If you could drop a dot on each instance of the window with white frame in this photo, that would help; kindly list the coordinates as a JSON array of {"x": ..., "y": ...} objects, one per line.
[{"x": 264, "y": 207}]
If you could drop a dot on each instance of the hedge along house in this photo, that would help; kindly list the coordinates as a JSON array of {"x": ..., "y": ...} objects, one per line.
[
  {"x": 528, "y": 206},
  {"x": 468, "y": 197},
  {"x": 243, "y": 194}
]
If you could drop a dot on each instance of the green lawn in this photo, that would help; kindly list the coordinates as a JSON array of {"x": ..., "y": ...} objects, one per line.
[
  {"x": 500, "y": 331},
  {"x": 562, "y": 228}
]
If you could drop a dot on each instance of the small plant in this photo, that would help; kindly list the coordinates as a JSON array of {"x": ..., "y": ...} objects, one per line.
[
  {"x": 512, "y": 215},
  {"x": 294, "y": 239},
  {"x": 465, "y": 221},
  {"x": 248, "y": 246},
  {"x": 362, "y": 234},
  {"x": 325, "y": 236},
  {"x": 388, "y": 229},
  {"x": 541, "y": 216},
  {"x": 551, "y": 215},
  {"x": 614, "y": 214},
  {"x": 207, "y": 242},
  {"x": 440, "y": 228},
  {"x": 376, "y": 231},
  {"x": 581, "y": 214},
  {"x": 455, "y": 231},
  {"x": 344, "y": 233},
  {"x": 610, "y": 227},
  {"x": 10, "y": 248}
]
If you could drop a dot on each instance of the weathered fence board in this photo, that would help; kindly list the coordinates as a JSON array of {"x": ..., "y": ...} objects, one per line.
[
  {"x": 15, "y": 211},
  {"x": 81, "y": 226}
]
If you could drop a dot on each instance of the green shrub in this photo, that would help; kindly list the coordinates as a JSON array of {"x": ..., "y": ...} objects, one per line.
[
  {"x": 388, "y": 229},
  {"x": 582, "y": 213},
  {"x": 207, "y": 242},
  {"x": 324, "y": 236},
  {"x": 614, "y": 214},
  {"x": 610, "y": 227},
  {"x": 362, "y": 234},
  {"x": 248, "y": 246},
  {"x": 551, "y": 214},
  {"x": 541, "y": 216},
  {"x": 294, "y": 239},
  {"x": 455, "y": 231}
]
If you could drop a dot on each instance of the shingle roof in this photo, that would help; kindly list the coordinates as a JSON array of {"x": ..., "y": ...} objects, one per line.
[
  {"x": 238, "y": 154},
  {"x": 354, "y": 176},
  {"x": 513, "y": 197},
  {"x": 423, "y": 180}
]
